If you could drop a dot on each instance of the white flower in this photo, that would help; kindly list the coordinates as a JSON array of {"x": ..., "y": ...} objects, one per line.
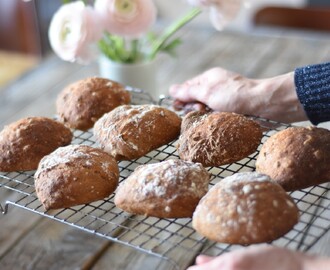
[
  {"x": 73, "y": 31},
  {"x": 221, "y": 11}
]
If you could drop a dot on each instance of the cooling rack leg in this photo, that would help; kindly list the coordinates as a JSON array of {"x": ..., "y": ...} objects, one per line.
[{"x": 4, "y": 209}]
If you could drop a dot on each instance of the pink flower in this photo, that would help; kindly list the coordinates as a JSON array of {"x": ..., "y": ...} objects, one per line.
[
  {"x": 221, "y": 11},
  {"x": 203, "y": 3},
  {"x": 127, "y": 18},
  {"x": 73, "y": 31}
]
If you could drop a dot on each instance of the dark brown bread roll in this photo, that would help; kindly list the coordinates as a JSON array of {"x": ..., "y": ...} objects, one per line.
[
  {"x": 75, "y": 174},
  {"x": 131, "y": 131},
  {"x": 297, "y": 157},
  {"x": 81, "y": 103},
  {"x": 245, "y": 208},
  {"x": 170, "y": 189},
  {"x": 25, "y": 142},
  {"x": 217, "y": 138}
]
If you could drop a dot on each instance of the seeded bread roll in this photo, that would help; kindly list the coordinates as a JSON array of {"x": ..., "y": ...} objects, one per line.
[
  {"x": 170, "y": 189},
  {"x": 80, "y": 104},
  {"x": 131, "y": 131},
  {"x": 25, "y": 142},
  {"x": 245, "y": 208},
  {"x": 217, "y": 138},
  {"x": 75, "y": 174},
  {"x": 297, "y": 157}
]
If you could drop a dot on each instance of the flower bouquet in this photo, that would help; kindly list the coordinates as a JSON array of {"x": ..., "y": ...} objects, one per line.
[
  {"x": 120, "y": 29},
  {"x": 118, "y": 33}
]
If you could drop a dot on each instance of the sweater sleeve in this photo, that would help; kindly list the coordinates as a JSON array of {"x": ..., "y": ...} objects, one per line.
[{"x": 313, "y": 90}]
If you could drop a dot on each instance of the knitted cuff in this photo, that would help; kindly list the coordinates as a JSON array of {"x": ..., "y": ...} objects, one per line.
[{"x": 313, "y": 90}]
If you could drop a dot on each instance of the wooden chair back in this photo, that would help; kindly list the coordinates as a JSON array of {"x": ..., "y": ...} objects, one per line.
[{"x": 304, "y": 18}]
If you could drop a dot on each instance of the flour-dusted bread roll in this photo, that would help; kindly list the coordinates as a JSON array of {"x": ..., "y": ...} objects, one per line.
[
  {"x": 80, "y": 104},
  {"x": 217, "y": 138},
  {"x": 297, "y": 157},
  {"x": 75, "y": 174},
  {"x": 245, "y": 208},
  {"x": 25, "y": 142},
  {"x": 131, "y": 131},
  {"x": 170, "y": 189}
]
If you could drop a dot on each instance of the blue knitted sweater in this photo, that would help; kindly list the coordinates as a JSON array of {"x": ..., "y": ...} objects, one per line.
[{"x": 313, "y": 89}]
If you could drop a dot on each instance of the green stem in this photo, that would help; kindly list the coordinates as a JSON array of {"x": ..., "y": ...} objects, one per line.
[
  {"x": 68, "y": 1},
  {"x": 134, "y": 50},
  {"x": 172, "y": 29}
]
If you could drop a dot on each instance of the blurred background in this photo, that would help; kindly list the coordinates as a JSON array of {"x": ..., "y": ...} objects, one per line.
[{"x": 24, "y": 25}]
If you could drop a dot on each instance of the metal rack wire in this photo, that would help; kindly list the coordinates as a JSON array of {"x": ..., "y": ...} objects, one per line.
[{"x": 165, "y": 238}]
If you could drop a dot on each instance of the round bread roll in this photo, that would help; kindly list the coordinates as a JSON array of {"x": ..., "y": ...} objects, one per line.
[
  {"x": 217, "y": 138},
  {"x": 170, "y": 189},
  {"x": 75, "y": 174},
  {"x": 131, "y": 131},
  {"x": 25, "y": 142},
  {"x": 297, "y": 157},
  {"x": 80, "y": 104},
  {"x": 245, "y": 208}
]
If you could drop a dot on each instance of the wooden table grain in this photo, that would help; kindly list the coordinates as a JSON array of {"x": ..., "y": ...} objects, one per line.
[{"x": 29, "y": 241}]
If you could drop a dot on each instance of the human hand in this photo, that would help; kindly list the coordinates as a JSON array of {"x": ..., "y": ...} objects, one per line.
[
  {"x": 255, "y": 258},
  {"x": 222, "y": 90},
  {"x": 219, "y": 89}
]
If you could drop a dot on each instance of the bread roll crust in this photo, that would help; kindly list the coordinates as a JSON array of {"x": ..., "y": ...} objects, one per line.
[
  {"x": 245, "y": 208},
  {"x": 169, "y": 189},
  {"x": 131, "y": 131},
  {"x": 25, "y": 142},
  {"x": 82, "y": 103},
  {"x": 217, "y": 138},
  {"x": 75, "y": 174},
  {"x": 297, "y": 157}
]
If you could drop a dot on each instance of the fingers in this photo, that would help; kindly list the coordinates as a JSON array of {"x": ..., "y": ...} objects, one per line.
[
  {"x": 202, "y": 263},
  {"x": 201, "y": 87},
  {"x": 211, "y": 263},
  {"x": 177, "y": 91},
  {"x": 201, "y": 259},
  {"x": 195, "y": 89},
  {"x": 190, "y": 92}
]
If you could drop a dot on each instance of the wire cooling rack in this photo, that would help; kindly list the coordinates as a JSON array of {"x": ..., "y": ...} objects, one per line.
[{"x": 168, "y": 239}]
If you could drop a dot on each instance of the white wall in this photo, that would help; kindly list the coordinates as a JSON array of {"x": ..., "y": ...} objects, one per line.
[{"x": 171, "y": 9}]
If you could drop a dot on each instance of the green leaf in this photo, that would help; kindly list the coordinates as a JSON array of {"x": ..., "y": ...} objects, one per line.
[
  {"x": 172, "y": 29},
  {"x": 117, "y": 49},
  {"x": 171, "y": 46}
]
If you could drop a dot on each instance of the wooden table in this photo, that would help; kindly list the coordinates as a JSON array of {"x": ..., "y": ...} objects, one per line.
[{"x": 30, "y": 241}]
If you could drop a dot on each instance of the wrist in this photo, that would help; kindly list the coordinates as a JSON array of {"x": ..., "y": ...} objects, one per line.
[{"x": 277, "y": 99}]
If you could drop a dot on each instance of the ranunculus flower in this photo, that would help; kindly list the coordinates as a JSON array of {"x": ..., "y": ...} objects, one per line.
[
  {"x": 203, "y": 3},
  {"x": 221, "y": 11},
  {"x": 128, "y": 18},
  {"x": 73, "y": 31}
]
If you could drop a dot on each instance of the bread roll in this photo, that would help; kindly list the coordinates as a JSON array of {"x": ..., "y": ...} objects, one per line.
[
  {"x": 297, "y": 157},
  {"x": 131, "y": 131},
  {"x": 170, "y": 189},
  {"x": 25, "y": 142},
  {"x": 75, "y": 174},
  {"x": 217, "y": 138},
  {"x": 245, "y": 208},
  {"x": 80, "y": 104}
]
